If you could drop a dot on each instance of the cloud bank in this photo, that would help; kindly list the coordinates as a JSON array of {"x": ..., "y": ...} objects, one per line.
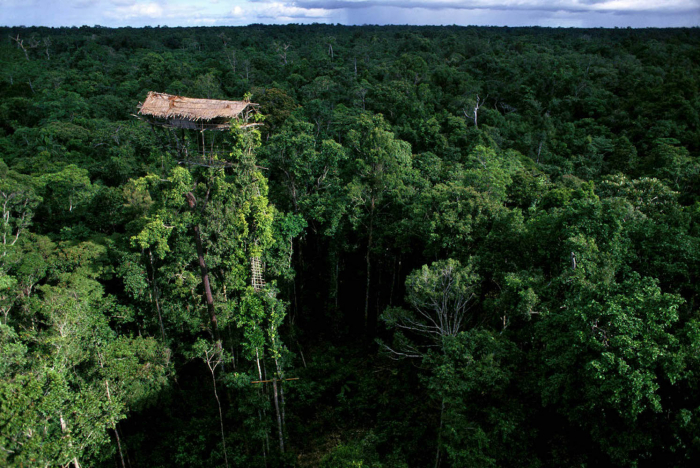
[
  {"x": 573, "y": 6},
  {"x": 580, "y": 13}
]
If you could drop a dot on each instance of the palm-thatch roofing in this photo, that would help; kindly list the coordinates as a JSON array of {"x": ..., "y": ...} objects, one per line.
[{"x": 170, "y": 107}]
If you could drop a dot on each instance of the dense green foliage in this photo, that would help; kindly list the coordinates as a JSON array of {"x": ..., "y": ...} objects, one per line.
[{"x": 481, "y": 248}]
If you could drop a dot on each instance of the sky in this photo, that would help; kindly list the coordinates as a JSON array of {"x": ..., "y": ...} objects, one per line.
[{"x": 554, "y": 13}]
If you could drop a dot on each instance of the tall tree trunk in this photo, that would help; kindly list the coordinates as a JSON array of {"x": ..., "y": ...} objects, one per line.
[
  {"x": 284, "y": 425},
  {"x": 279, "y": 417},
  {"x": 369, "y": 266},
  {"x": 221, "y": 414},
  {"x": 156, "y": 293},
  {"x": 119, "y": 446},
  {"x": 393, "y": 282},
  {"x": 114, "y": 424},
  {"x": 128, "y": 459},
  {"x": 337, "y": 278},
  {"x": 264, "y": 452},
  {"x": 279, "y": 373},
  {"x": 439, "y": 439},
  {"x": 204, "y": 272}
]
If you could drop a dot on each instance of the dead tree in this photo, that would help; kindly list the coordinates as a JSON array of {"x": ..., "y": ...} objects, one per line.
[
  {"x": 20, "y": 45},
  {"x": 47, "y": 44},
  {"x": 231, "y": 57},
  {"x": 281, "y": 50},
  {"x": 474, "y": 114}
]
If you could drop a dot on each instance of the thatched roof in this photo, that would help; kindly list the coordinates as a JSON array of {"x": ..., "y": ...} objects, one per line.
[{"x": 167, "y": 106}]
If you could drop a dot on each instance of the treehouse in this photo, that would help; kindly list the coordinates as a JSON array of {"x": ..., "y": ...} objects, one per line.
[
  {"x": 179, "y": 117},
  {"x": 185, "y": 114},
  {"x": 172, "y": 111}
]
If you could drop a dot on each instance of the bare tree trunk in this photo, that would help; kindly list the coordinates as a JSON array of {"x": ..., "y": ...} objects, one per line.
[
  {"x": 279, "y": 417},
  {"x": 128, "y": 460},
  {"x": 119, "y": 445},
  {"x": 221, "y": 414},
  {"x": 279, "y": 372},
  {"x": 260, "y": 415},
  {"x": 284, "y": 424},
  {"x": 257, "y": 360}
]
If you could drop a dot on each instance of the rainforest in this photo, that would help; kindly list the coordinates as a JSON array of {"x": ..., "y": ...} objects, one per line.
[{"x": 422, "y": 247}]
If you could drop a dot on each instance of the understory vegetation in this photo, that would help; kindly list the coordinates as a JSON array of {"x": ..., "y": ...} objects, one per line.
[{"x": 481, "y": 247}]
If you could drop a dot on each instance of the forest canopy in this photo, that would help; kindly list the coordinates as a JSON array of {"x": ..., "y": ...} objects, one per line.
[{"x": 427, "y": 246}]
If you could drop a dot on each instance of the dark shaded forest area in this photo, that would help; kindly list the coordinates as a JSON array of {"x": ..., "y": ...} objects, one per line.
[{"x": 481, "y": 247}]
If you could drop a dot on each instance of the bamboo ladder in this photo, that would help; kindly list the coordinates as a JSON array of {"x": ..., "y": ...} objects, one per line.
[
  {"x": 257, "y": 274},
  {"x": 256, "y": 267}
]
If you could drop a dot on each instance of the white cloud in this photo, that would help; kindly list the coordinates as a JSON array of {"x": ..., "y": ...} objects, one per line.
[
  {"x": 287, "y": 10},
  {"x": 137, "y": 10},
  {"x": 619, "y": 6},
  {"x": 278, "y": 12},
  {"x": 159, "y": 12},
  {"x": 622, "y": 6}
]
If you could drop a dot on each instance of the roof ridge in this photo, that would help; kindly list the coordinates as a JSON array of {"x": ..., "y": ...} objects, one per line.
[{"x": 166, "y": 106}]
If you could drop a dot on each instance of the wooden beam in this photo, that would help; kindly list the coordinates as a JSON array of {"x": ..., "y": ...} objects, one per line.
[{"x": 275, "y": 380}]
